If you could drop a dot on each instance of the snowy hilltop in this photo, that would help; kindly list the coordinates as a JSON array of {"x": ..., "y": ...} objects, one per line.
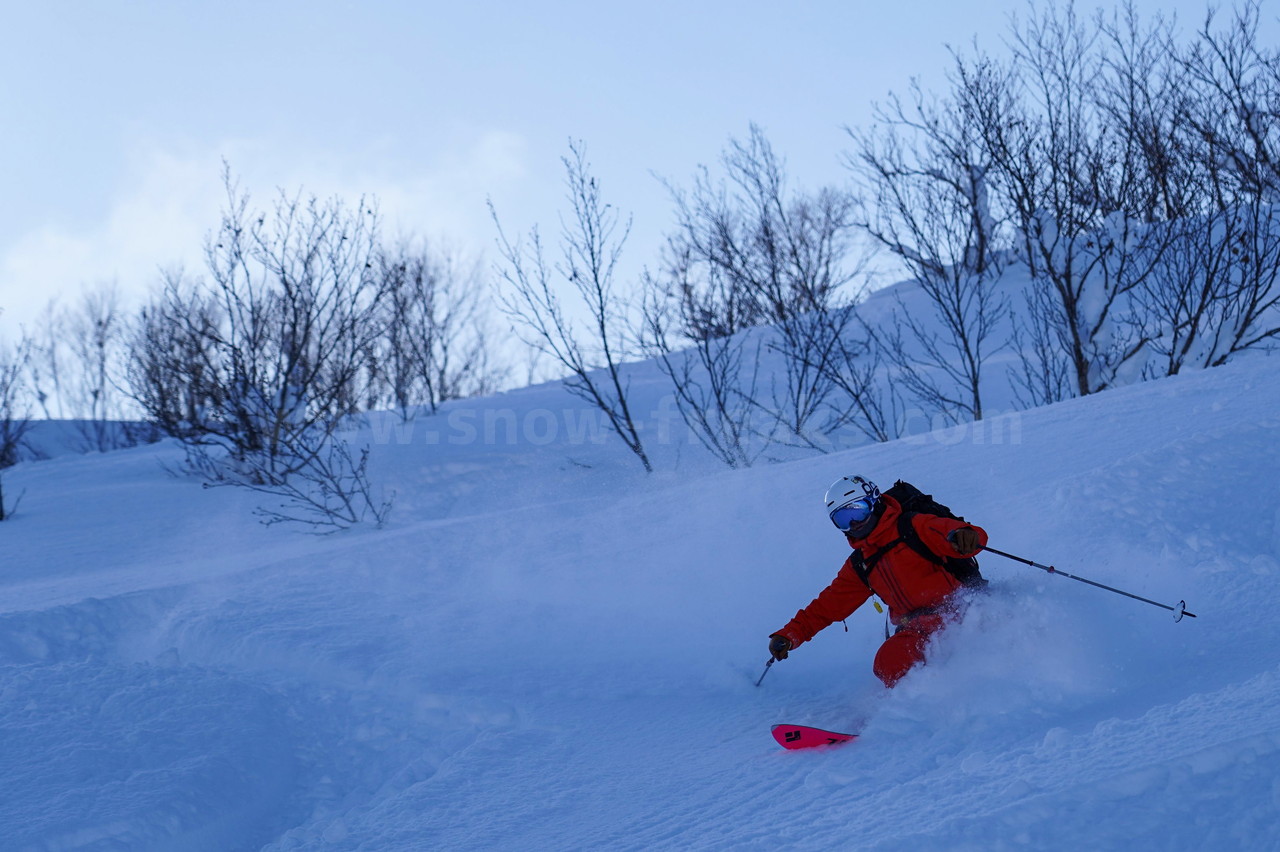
[{"x": 546, "y": 648}]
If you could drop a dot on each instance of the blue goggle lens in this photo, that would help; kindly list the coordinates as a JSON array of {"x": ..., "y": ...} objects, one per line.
[{"x": 853, "y": 513}]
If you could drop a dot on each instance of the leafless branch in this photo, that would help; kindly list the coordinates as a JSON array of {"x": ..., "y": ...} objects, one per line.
[{"x": 591, "y": 242}]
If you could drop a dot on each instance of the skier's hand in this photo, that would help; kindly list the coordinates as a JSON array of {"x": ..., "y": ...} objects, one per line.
[
  {"x": 965, "y": 541},
  {"x": 779, "y": 646}
]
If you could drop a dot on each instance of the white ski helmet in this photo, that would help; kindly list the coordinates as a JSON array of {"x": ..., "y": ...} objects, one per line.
[{"x": 843, "y": 494}]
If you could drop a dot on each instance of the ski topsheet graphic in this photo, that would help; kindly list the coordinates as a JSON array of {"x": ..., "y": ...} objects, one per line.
[{"x": 802, "y": 736}]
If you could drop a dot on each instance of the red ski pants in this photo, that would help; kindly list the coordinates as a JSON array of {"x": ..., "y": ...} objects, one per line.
[{"x": 905, "y": 648}]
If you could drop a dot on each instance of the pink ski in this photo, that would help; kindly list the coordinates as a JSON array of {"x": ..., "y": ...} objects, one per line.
[{"x": 802, "y": 736}]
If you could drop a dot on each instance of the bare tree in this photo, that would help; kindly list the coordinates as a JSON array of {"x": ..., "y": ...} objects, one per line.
[
  {"x": 96, "y": 340},
  {"x": 172, "y": 366},
  {"x": 1236, "y": 102},
  {"x": 831, "y": 380},
  {"x": 590, "y": 246},
  {"x": 747, "y": 251},
  {"x": 1138, "y": 177},
  {"x": 925, "y": 167},
  {"x": 1219, "y": 292},
  {"x": 436, "y": 344},
  {"x": 46, "y": 364},
  {"x": 715, "y": 381},
  {"x": 1044, "y": 376},
  {"x": 869, "y": 403},
  {"x": 1072, "y": 186},
  {"x": 258, "y": 366},
  {"x": 1218, "y": 288},
  {"x": 297, "y": 304},
  {"x": 76, "y": 365},
  {"x": 14, "y": 412},
  {"x": 806, "y": 406},
  {"x": 1143, "y": 97}
]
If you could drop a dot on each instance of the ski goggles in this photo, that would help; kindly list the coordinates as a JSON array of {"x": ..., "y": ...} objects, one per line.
[{"x": 851, "y": 514}]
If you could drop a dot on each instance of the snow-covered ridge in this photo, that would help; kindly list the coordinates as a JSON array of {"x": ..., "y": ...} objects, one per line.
[{"x": 547, "y": 649}]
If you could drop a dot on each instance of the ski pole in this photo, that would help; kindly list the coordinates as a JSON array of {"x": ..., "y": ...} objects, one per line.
[
  {"x": 1178, "y": 611},
  {"x": 766, "y": 671}
]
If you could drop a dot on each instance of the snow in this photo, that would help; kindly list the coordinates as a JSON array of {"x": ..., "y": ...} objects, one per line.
[{"x": 548, "y": 649}]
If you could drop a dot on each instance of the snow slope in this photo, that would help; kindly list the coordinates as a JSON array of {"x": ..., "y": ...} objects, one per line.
[{"x": 547, "y": 649}]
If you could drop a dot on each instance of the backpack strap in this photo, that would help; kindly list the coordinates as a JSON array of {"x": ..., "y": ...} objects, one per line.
[
  {"x": 963, "y": 568},
  {"x": 859, "y": 566},
  {"x": 863, "y": 570},
  {"x": 864, "y": 565},
  {"x": 907, "y": 535}
]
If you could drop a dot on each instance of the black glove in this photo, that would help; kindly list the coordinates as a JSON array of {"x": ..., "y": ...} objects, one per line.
[
  {"x": 779, "y": 646},
  {"x": 965, "y": 541}
]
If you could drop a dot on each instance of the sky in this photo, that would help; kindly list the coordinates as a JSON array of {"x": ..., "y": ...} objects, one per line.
[{"x": 116, "y": 118}]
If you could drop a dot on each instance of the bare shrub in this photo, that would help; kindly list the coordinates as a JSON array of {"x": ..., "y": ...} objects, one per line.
[
  {"x": 1079, "y": 195},
  {"x": 926, "y": 171},
  {"x": 437, "y": 344},
  {"x": 256, "y": 367},
  {"x": 590, "y": 245},
  {"x": 714, "y": 382},
  {"x": 748, "y": 250},
  {"x": 14, "y": 412}
]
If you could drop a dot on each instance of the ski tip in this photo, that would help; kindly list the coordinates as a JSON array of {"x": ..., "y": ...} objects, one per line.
[{"x": 803, "y": 736}]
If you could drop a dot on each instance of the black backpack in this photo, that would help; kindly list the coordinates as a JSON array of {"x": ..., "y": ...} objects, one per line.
[{"x": 916, "y": 502}]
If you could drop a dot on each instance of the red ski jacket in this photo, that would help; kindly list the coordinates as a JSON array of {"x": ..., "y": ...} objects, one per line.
[{"x": 908, "y": 583}]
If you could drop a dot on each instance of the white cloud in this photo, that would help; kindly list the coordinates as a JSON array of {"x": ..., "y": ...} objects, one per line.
[
  {"x": 447, "y": 199},
  {"x": 159, "y": 220},
  {"x": 170, "y": 198}
]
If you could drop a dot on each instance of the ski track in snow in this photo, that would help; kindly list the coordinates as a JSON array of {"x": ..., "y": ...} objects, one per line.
[{"x": 573, "y": 668}]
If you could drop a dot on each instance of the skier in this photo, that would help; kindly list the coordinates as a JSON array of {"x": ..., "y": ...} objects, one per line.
[{"x": 920, "y": 592}]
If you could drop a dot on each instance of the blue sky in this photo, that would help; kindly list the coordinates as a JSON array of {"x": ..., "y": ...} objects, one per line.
[{"x": 117, "y": 116}]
